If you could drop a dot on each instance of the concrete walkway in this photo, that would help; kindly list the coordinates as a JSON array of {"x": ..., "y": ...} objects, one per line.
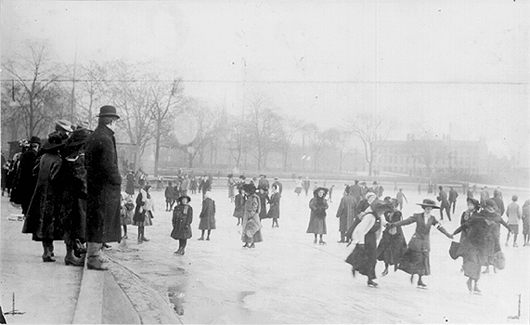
[{"x": 53, "y": 293}]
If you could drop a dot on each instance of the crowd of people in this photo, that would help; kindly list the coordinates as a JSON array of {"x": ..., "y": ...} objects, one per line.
[{"x": 69, "y": 189}]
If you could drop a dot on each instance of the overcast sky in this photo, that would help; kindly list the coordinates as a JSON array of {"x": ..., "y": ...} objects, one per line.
[{"x": 453, "y": 66}]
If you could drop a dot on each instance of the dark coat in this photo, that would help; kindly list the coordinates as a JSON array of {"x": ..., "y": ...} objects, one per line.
[
  {"x": 75, "y": 194},
  {"x": 279, "y": 185},
  {"x": 25, "y": 183},
  {"x": 43, "y": 218},
  {"x": 393, "y": 243},
  {"x": 263, "y": 198},
  {"x": 182, "y": 222},
  {"x": 239, "y": 208},
  {"x": 103, "y": 187},
  {"x": 453, "y": 195},
  {"x": 207, "y": 215},
  {"x": 346, "y": 212},
  {"x": 129, "y": 188},
  {"x": 317, "y": 220},
  {"x": 442, "y": 198},
  {"x": 274, "y": 209},
  {"x": 356, "y": 191},
  {"x": 415, "y": 259}
]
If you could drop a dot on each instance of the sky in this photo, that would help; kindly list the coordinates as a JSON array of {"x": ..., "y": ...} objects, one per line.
[{"x": 451, "y": 67}]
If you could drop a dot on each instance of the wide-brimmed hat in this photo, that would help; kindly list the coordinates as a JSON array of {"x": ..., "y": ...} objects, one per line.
[
  {"x": 318, "y": 189},
  {"x": 108, "y": 110},
  {"x": 428, "y": 204},
  {"x": 78, "y": 137},
  {"x": 473, "y": 201},
  {"x": 63, "y": 125},
  {"x": 55, "y": 140},
  {"x": 34, "y": 139},
  {"x": 184, "y": 197},
  {"x": 249, "y": 188},
  {"x": 369, "y": 194}
]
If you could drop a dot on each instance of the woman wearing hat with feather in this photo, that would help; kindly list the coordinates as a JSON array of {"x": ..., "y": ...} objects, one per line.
[
  {"x": 364, "y": 256},
  {"x": 317, "y": 220},
  {"x": 490, "y": 211},
  {"x": 415, "y": 260},
  {"x": 182, "y": 219},
  {"x": 473, "y": 244}
]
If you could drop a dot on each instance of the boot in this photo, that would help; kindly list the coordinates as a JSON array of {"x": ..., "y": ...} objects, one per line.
[
  {"x": 469, "y": 283},
  {"x": 144, "y": 239},
  {"x": 476, "y": 289},
  {"x": 96, "y": 264},
  {"x": 371, "y": 283},
  {"x": 178, "y": 251},
  {"x": 70, "y": 259},
  {"x": 47, "y": 256},
  {"x": 201, "y": 238}
]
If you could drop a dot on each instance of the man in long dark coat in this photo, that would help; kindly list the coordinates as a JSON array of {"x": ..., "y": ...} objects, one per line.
[{"x": 103, "y": 187}]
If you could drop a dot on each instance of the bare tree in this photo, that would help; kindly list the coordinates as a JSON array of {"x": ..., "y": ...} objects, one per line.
[
  {"x": 237, "y": 138},
  {"x": 34, "y": 76},
  {"x": 131, "y": 94},
  {"x": 165, "y": 105},
  {"x": 211, "y": 124},
  {"x": 373, "y": 131},
  {"x": 429, "y": 151},
  {"x": 289, "y": 128},
  {"x": 91, "y": 93},
  {"x": 317, "y": 141},
  {"x": 264, "y": 127}
]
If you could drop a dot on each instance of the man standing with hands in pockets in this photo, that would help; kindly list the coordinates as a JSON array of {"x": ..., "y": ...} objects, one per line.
[{"x": 103, "y": 187}]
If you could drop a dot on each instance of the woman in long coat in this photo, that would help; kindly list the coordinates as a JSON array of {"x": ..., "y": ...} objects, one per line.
[
  {"x": 393, "y": 243},
  {"x": 473, "y": 245},
  {"x": 75, "y": 196},
  {"x": 364, "y": 257},
  {"x": 251, "y": 223},
  {"x": 274, "y": 209},
  {"x": 44, "y": 219},
  {"x": 346, "y": 213},
  {"x": 207, "y": 216},
  {"x": 182, "y": 219},
  {"x": 317, "y": 220},
  {"x": 492, "y": 249},
  {"x": 526, "y": 222},
  {"x": 415, "y": 260},
  {"x": 129, "y": 187},
  {"x": 239, "y": 202}
]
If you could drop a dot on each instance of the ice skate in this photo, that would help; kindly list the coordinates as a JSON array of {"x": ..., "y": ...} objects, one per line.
[{"x": 372, "y": 284}]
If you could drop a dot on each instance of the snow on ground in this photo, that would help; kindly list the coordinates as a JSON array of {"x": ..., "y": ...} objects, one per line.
[{"x": 288, "y": 279}]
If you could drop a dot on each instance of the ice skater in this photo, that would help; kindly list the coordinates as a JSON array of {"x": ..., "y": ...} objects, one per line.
[
  {"x": 251, "y": 225},
  {"x": 274, "y": 209},
  {"x": 514, "y": 214},
  {"x": 239, "y": 202},
  {"x": 207, "y": 216},
  {"x": 317, "y": 221},
  {"x": 526, "y": 222},
  {"x": 393, "y": 244},
  {"x": 182, "y": 219},
  {"x": 143, "y": 213},
  {"x": 473, "y": 244},
  {"x": 364, "y": 256},
  {"x": 415, "y": 260}
]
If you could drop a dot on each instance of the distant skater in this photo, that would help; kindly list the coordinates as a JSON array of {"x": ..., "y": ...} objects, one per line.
[
  {"x": 317, "y": 222},
  {"x": 182, "y": 219},
  {"x": 207, "y": 216}
]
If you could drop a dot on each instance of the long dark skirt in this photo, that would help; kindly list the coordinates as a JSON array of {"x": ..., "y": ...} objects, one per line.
[
  {"x": 415, "y": 262},
  {"x": 363, "y": 259},
  {"x": 391, "y": 247},
  {"x": 473, "y": 261}
]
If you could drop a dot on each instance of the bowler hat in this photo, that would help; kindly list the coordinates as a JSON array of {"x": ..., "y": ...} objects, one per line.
[
  {"x": 108, "y": 110},
  {"x": 428, "y": 204},
  {"x": 34, "y": 139},
  {"x": 55, "y": 141}
]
